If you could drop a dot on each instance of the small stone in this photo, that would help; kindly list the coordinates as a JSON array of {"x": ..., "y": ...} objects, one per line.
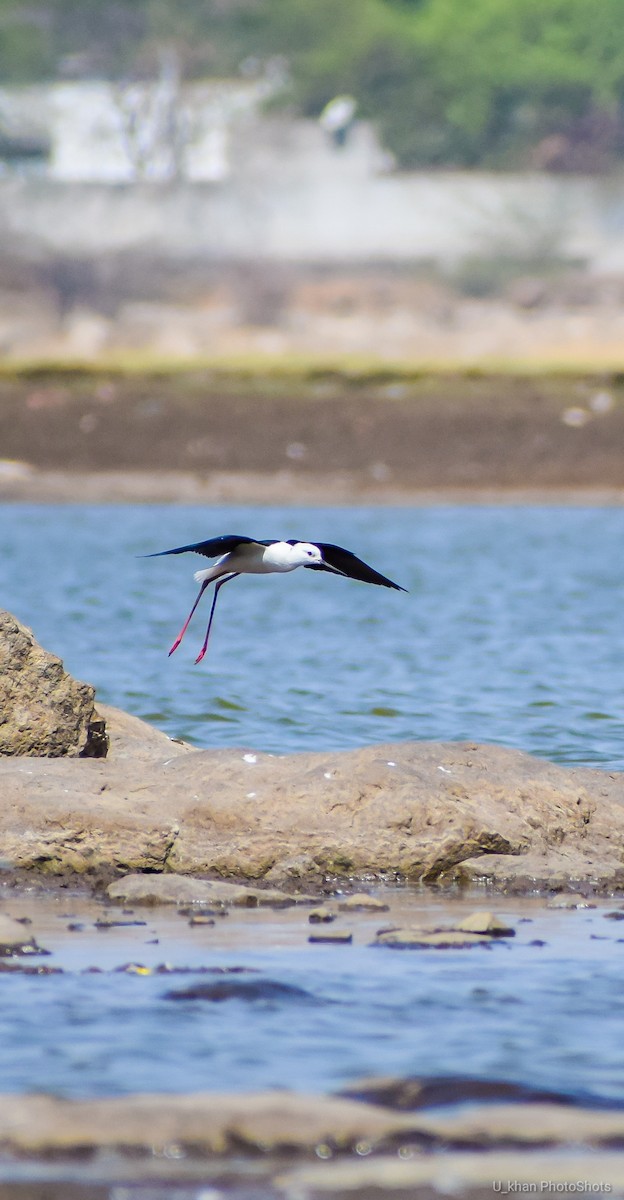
[
  {"x": 13, "y": 939},
  {"x": 202, "y": 910},
  {"x": 361, "y": 902},
  {"x": 616, "y": 915},
  {"x": 200, "y": 919},
  {"x": 485, "y": 922},
  {"x": 336, "y": 937},
  {"x": 321, "y": 915},
  {"x": 564, "y": 901}
]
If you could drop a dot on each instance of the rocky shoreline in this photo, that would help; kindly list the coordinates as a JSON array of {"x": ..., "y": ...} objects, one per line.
[
  {"x": 399, "y": 1137},
  {"x": 95, "y": 794},
  {"x": 288, "y": 1145},
  {"x": 420, "y": 812},
  {"x": 318, "y": 843}
]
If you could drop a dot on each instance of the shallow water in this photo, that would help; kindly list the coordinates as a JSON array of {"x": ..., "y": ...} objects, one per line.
[
  {"x": 512, "y": 631},
  {"x": 523, "y": 1011}
]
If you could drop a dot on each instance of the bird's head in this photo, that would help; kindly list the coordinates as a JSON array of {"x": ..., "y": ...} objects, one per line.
[{"x": 306, "y": 554}]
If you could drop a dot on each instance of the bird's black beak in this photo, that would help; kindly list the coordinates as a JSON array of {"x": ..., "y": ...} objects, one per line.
[{"x": 334, "y": 570}]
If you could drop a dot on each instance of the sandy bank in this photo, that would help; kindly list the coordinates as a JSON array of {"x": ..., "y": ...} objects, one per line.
[
  {"x": 20, "y": 483},
  {"x": 200, "y": 435}
]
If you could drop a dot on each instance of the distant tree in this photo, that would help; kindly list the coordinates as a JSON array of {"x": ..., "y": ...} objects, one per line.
[
  {"x": 462, "y": 82},
  {"x": 25, "y": 51}
]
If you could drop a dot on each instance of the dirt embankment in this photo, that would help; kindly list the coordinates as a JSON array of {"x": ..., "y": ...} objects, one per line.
[{"x": 369, "y": 434}]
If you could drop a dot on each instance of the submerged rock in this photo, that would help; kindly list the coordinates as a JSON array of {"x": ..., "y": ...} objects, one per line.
[
  {"x": 14, "y": 940},
  {"x": 43, "y": 711},
  {"x": 362, "y": 902},
  {"x": 332, "y": 937},
  {"x": 175, "y": 889},
  {"x": 270, "y": 991}
]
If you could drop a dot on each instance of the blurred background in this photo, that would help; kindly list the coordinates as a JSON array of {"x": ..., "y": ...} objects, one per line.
[{"x": 422, "y": 180}]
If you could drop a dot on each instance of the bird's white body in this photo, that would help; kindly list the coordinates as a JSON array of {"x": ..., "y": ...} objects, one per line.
[
  {"x": 254, "y": 559},
  {"x": 246, "y": 556}
]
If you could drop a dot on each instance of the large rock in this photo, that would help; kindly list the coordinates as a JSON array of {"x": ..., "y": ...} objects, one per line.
[
  {"x": 218, "y": 1124},
  {"x": 288, "y": 1144},
  {"x": 417, "y": 811},
  {"x": 43, "y": 711}
]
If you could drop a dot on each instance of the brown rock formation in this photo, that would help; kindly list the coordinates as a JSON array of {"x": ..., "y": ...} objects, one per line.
[
  {"x": 417, "y": 811},
  {"x": 43, "y": 711},
  {"x": 219, "y": 1124}
]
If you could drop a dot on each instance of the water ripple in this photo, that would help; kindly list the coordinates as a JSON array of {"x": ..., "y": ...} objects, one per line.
[{"x": 511, "y": 632}]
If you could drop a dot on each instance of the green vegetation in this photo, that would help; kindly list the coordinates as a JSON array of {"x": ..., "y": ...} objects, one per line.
[{"x": 500, "y": 83}]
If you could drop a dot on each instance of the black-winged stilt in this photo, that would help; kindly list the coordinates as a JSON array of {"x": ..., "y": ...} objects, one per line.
[{"x": 249, "y": 556}]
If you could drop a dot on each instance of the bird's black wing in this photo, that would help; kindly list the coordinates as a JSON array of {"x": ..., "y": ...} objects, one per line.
[
  {"x": 212, "y": 547},
  {"x": 343, "y": 561}
]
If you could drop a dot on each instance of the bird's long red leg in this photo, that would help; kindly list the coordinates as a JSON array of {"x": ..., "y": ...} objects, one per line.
[
  {"x": 188, "y": 619},
  {"x": 214, "y": 601}
]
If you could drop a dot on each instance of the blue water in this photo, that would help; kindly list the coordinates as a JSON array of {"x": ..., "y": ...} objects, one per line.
[
  {"x": 512, "y": 631},
  {"x": 548, "y": 1015}
]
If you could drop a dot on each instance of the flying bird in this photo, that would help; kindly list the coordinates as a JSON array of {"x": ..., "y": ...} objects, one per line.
[{"x": 247, "y": 556}]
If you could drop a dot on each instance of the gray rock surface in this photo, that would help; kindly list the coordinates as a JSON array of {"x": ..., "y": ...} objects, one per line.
[{"x": 43, "y": 711}]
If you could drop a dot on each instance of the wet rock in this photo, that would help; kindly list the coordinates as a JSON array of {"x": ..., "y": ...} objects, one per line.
[
  {"x": 616, "y": 915},
  {"x": 172, "y": 889},
  {"x": 332, "y": 937},
  {"x": 19, "y": 968},
  {"x": 361, "y": 902},
  {"x": 540, "y": 1124},
  {"x": 485, "y": 922},
  {"x": 220, "y": 1124},
  {"x": 43, "y": 711},
  {"x": 409, "y": 1094},
  {"x": 14, "y": 939},
  {"x": 250, "y": 990},
  {"x": 168, "y": 969},
  {"x": 200, "y": 919},
  {"x": 413, "y": 1175},
  {"x": 203, "y": 910},
  {"x": 204, "y": 1124},
  {"x": 421, "y": 939},
  {"x": 564, "y": 901},
  {"x": 115, "y": 924},
  {"x": 322, "y": 915}
]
